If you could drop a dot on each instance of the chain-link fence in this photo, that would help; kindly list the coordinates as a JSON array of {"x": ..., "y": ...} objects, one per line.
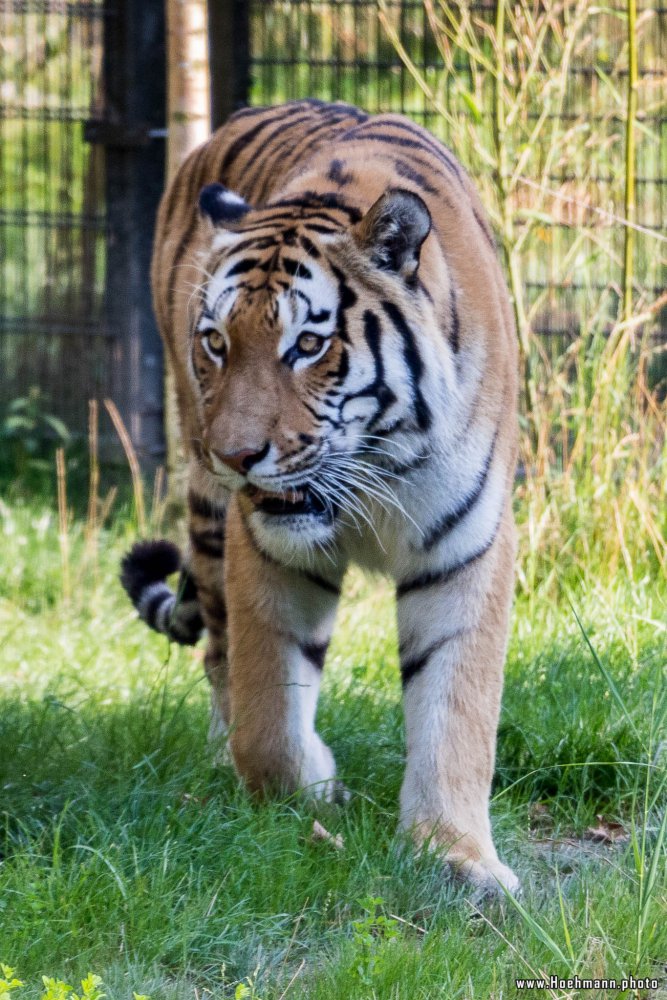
[
  {"x": 75, "y": 233},
  {"x": 351, "y": 51},
  {"x": 53, "y": 333}
]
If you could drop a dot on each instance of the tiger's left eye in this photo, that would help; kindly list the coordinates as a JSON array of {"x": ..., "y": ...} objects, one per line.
[
  {"x": 309, "y": 344},
  {"x": 215, "y": 340}
]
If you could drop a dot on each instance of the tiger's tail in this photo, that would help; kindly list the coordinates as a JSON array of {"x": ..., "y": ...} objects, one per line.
[{"x": 144, "y": 570}]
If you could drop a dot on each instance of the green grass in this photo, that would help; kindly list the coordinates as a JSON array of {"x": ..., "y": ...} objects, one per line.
[{"x": 125, "y": 853}]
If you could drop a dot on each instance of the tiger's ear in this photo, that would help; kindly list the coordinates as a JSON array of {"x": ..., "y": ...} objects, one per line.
[
  {"x": 393, "y": 230},
  {"x": 220, "y": 205}
]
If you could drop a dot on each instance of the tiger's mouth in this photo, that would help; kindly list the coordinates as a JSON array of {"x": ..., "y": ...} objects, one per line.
[{"x": 292, "y": 502}]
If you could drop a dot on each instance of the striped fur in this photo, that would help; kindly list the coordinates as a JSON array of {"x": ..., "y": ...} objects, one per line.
[
  {"x": 143, "y": 573},
  {"x": 328, "y": 292}
]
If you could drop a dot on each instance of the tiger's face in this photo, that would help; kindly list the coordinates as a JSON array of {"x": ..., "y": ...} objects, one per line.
[{"x": 298, "y": 359}]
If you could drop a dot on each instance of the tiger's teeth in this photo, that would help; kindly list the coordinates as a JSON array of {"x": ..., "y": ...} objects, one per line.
[{"x": 257, "y": 494}]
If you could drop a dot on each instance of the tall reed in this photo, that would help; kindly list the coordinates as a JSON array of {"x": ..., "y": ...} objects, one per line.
[
  {"x": 592, "y": 494},
  {"x": 132, "y": 461}
]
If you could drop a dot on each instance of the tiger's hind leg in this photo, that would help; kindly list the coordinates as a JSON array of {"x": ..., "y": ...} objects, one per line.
[
  {"x": 453, "y": 635},
  {"x": 207, "y": 548}
]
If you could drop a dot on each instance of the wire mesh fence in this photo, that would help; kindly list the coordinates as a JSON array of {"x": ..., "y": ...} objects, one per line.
[
  {"x": 57, "y": 204},
  {"x": 53, "y": 333},
  {"x": 345, "y": 51}
]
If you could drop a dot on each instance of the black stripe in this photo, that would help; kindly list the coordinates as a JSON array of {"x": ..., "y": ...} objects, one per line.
[
  {"x": 320, "y": 417},
  {"x": 427, "y": 141},
  {"x": 254, "y": 243},
  {"x": 337, "y": 174},
  {"x": 397, "y": 140},
  {"x": 149, "y": 614},
  {"x": 319, "y": 581},
  {"x": 442, "y": 576},
  {"x": 295, "y": 268},
  {"x": 318, "y": 317},
  {"x": 486, "y": 229},
  {"x": 265, "y": 218},
  {"x": 214, "y": 607},
  {"x": 280, "y": 154},
  {"x": 203, "y": 507},
  {"x": 347, "y": 297},
  {"x": 271, "y": 157},
  {"x": 315, "y": 653},
  {"x": 408, "y": 172},
  {"x": 241, "y": 266},
  {"x": 313, "y": 138},
  {"x": 343, "y": 369},
  {"x": 315, "y": 227},
  {"x": 309, "y": 247},
  {"x": 414, "y": 362},
  {"x": 286, "y": 217},
  {"x": 412, "y": 666},
  {"x": 313, "y": 199},
  {"x": 449, "y": 521},
  {"x": 208, "y": 543},
  {"x": 386, "y": 432},
  {"x": 247, "y": 113},
  {"x": 378, "y": 388},
  {"x": 246, "y": 138},
  {"x": 341, "y": 107},
  {"x": 454, "y": 328}
]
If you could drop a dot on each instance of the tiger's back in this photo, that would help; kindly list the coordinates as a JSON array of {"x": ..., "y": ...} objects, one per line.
[{"x": 329, "y": 293}]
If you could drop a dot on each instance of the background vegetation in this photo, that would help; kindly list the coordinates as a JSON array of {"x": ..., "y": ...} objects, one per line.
[{"x": 125, "y": 852}]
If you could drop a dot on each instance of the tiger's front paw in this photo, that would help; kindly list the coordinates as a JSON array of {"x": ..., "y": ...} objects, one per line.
[
  {"x": 488, "y": 877},
  {"x": 317, "y": 777}
]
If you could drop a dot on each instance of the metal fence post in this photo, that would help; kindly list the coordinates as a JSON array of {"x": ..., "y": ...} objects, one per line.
[
  {"x": 133, "y": 132},
  {"x": 229, "y": 57}
]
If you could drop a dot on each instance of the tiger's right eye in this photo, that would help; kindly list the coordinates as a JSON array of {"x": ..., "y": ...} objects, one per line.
[{"x": 215, "y": 341}]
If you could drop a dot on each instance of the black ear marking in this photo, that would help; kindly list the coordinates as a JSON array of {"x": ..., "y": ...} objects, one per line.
[
  {"x": 221, "y": 205},
  {"x": 393, "y": 230}
]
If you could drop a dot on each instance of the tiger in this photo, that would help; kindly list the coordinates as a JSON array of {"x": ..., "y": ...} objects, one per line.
[{"x": 332, "y": 306}]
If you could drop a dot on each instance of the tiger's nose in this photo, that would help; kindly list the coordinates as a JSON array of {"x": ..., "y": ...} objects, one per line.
[{"x": 242, "y": 461}]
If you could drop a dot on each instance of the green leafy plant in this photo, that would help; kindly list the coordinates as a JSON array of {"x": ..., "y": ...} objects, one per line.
[
  {"x": 8, "y": 982},
  {"x": 27, "y": 431},
  {"x": 246, "y": 990},
  {"x": 374, "y": 930},
  {"x": 57, "y": 989}
]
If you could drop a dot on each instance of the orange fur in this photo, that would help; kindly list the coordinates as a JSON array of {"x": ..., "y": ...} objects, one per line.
[{"x": 338, "y": 202}]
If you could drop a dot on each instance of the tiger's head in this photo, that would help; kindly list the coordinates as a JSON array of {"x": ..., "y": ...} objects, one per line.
[{"x": 302, "y": 361}]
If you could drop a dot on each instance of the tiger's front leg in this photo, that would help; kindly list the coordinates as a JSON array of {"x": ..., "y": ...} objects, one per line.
[
  {"x": 453, "y": 631},
  {"x": 206, "y": 531},
  {"x": 280, "y": 623}
]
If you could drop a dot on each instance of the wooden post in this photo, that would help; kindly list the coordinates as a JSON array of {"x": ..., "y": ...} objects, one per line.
[
  {"x": 188, "y": 125},
  {"x": 188, "y": 93}
]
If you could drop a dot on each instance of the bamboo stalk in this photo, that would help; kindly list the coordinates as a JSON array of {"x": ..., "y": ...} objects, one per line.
[
  {"x": 630, "y": 158},
  {"x": 63, "y": 533},
  {"x": 158, "y": 501},
  {"x": 507, "y": 231},
  {"x": 92, "y": 522}
]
